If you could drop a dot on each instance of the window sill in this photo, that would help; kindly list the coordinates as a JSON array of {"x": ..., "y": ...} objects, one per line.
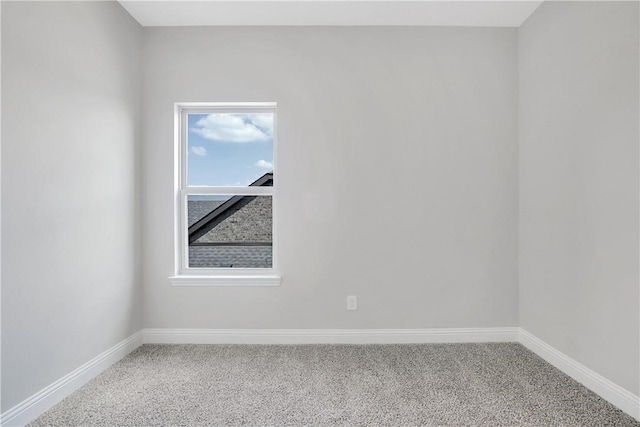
[{"x": 257, "y": 280}]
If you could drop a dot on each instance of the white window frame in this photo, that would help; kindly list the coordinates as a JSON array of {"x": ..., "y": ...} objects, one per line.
[{"x": 183, "y": 275}]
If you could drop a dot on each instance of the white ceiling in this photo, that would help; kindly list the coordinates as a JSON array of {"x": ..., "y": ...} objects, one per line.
[{"x": 499, "y": 13}]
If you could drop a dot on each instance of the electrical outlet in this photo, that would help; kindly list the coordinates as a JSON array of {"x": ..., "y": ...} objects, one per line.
[{"x": 352, "y": 302}]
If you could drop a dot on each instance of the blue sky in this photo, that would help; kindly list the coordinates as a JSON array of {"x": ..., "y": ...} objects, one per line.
[{"x": 229, "y": 149}]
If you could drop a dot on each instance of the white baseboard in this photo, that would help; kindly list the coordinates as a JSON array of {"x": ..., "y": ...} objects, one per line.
[
  {"x": 611, "y": 392},
  {"x": 328, "y": 336},
  {"x": 31, "y": 408}
]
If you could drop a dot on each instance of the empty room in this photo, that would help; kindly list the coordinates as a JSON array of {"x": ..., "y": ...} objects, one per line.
[{"x": 320, "y": 212}]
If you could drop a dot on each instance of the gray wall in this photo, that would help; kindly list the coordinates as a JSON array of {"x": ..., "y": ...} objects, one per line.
[
  {"x": 579, "y": 183},
  {"x": 397, "y": 173},
  {"x": 70, "y": 188}
]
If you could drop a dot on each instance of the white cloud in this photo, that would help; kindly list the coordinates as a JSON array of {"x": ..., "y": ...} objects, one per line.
[
  {"x": 199, "y": 151},
  {"x": 264, "y": 164},
  {"x": 235, "y": 127},
  {"x": 263, "y": 121}
]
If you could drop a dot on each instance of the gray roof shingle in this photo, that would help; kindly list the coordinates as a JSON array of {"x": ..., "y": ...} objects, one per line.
[
  {"x": 230, "y": 256},
  {"x": 249, "y": 220},
  {"x": 197, "y": 209}
]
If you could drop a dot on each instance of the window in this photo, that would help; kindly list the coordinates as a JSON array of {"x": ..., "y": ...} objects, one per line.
[{"x": 225, "y": 194}]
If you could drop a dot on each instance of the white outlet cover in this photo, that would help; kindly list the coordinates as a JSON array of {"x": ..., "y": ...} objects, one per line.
[{"x": 352, "y": 302}]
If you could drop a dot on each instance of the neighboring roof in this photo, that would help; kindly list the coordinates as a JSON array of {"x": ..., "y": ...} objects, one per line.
[
  {"x": 236, "y": 233},
  {"x": 238, "y": 219},
  {"x": 230, "y": 256},
  {"x": 247, "y": 221}
]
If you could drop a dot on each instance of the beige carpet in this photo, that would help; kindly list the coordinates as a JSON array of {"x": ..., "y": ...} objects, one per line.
[{"x": 334, "y": 385}]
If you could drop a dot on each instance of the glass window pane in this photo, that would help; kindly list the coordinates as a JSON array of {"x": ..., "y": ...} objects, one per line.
[
  {"x": 229, "y": 149},
  {"x": 230, "y": 231}
]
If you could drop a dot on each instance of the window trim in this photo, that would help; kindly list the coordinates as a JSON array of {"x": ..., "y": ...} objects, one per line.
[{"x": 183, "y": 275}]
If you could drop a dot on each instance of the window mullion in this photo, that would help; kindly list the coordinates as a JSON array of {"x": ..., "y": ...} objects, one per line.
[{"x": 239, "y": 191}]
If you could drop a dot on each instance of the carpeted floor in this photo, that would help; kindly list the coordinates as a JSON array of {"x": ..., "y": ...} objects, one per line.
[{"x": 327, "y": 385}]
